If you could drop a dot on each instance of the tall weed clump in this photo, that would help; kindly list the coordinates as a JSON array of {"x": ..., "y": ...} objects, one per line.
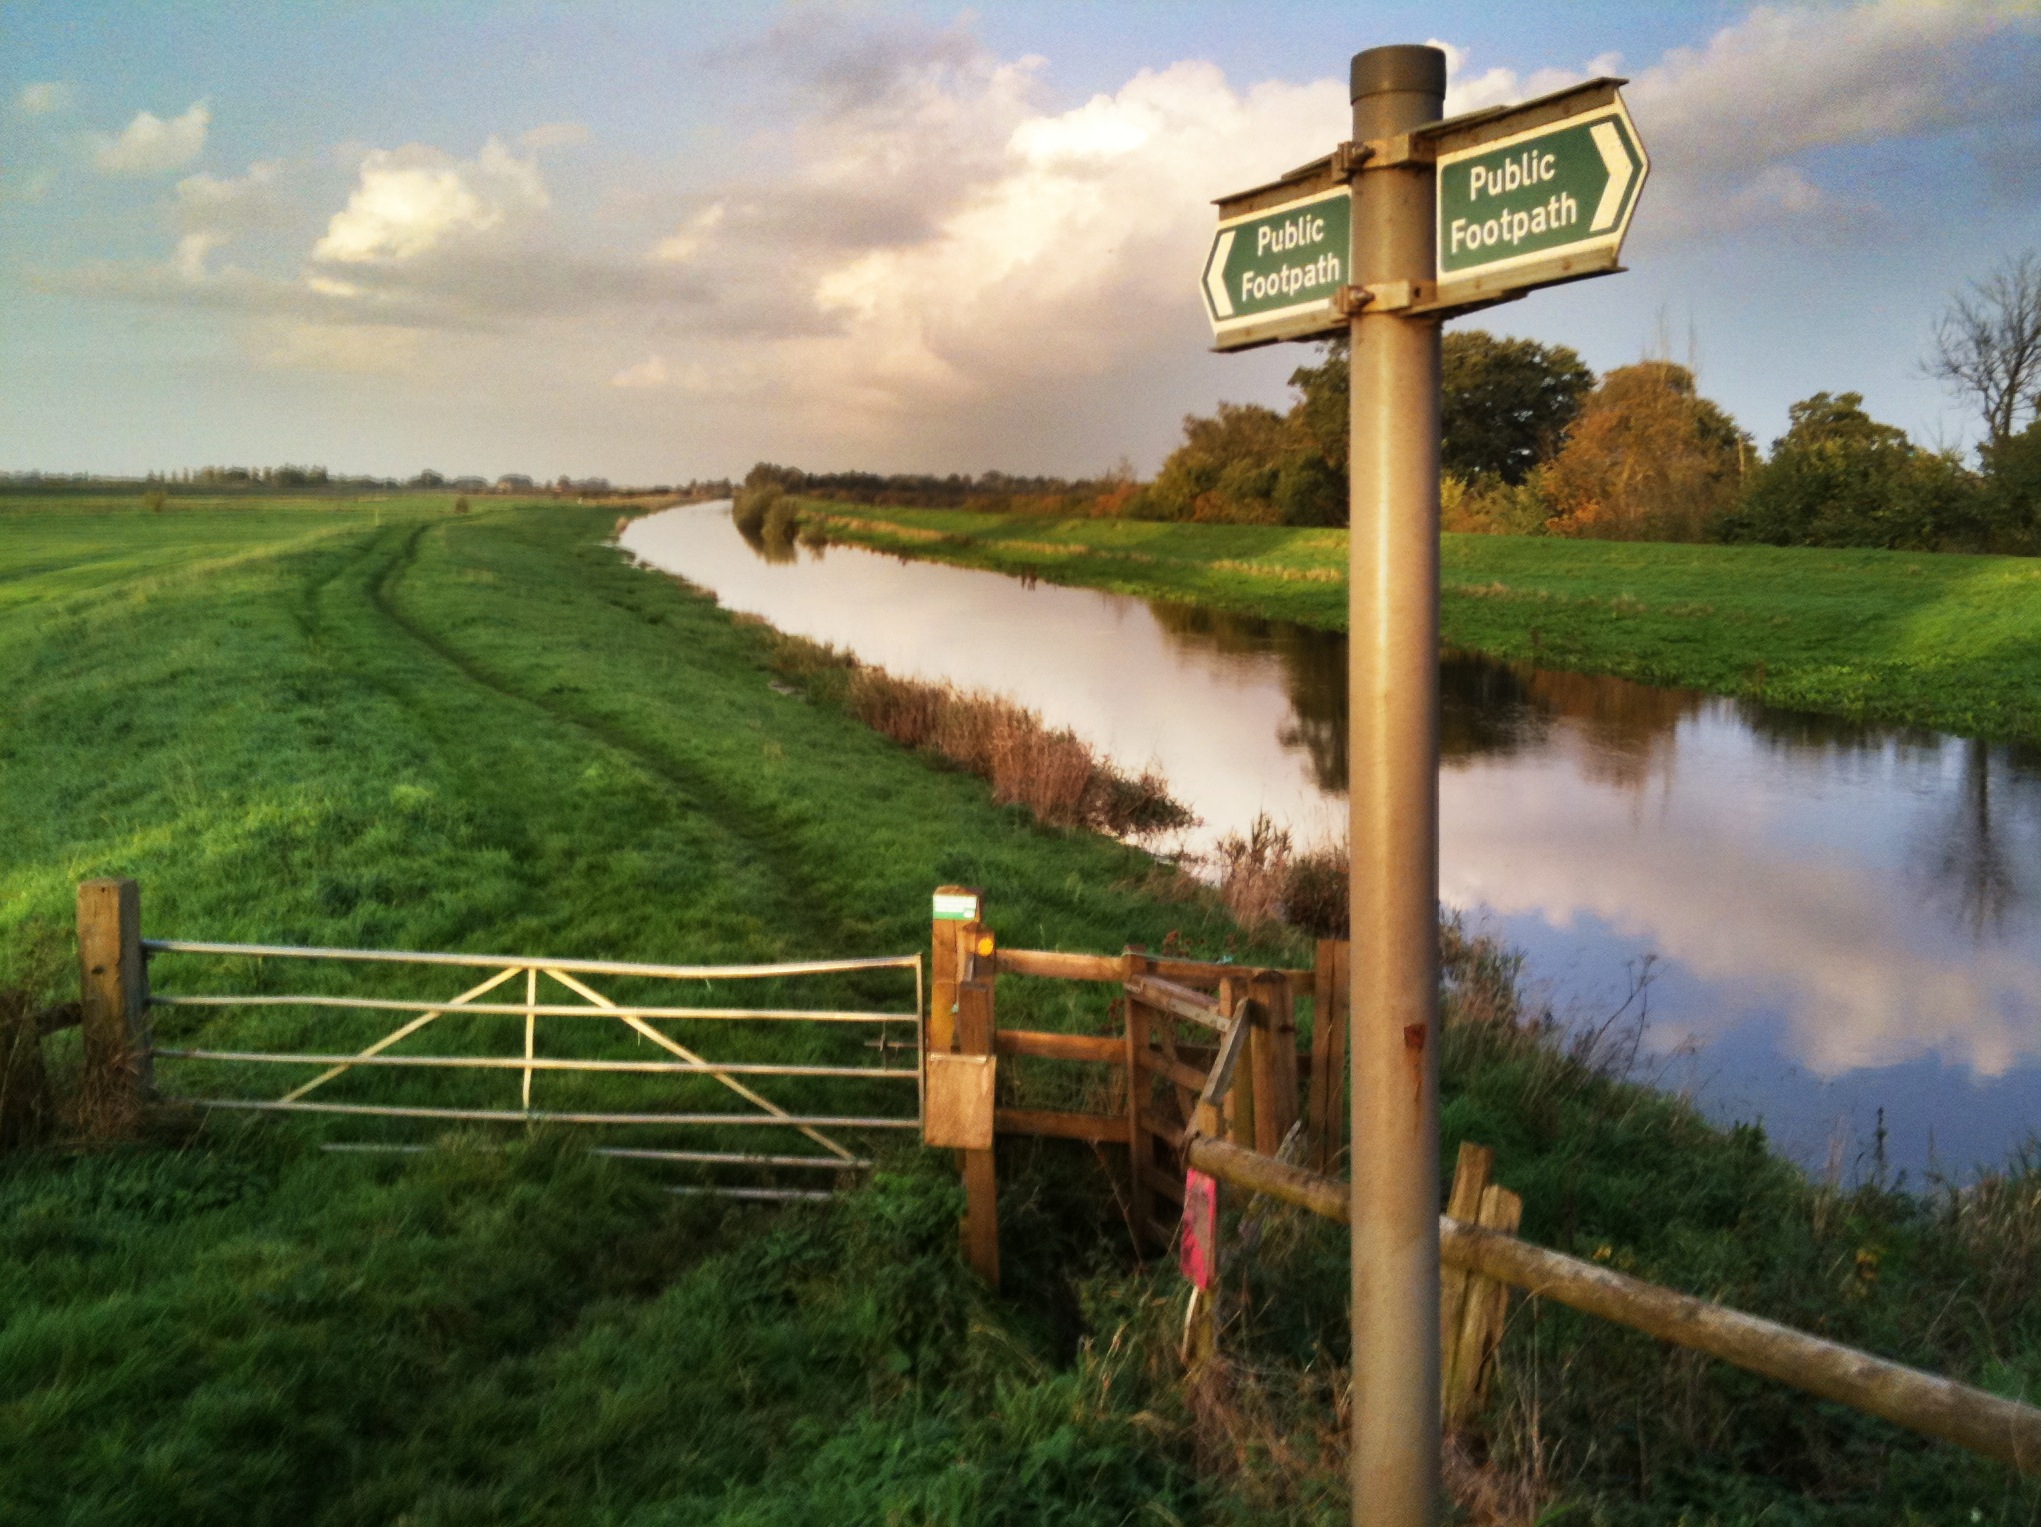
[
  {"x": 1052, "y": 772},
  {"x": 1264, "y": 879}
]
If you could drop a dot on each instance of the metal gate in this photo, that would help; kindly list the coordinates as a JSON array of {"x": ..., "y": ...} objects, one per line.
[{"x": 840, "y": 1137}]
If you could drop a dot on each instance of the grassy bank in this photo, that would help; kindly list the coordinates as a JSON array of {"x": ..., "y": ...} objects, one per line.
[
  {"x": 1948, "y": 642},
  {"x": 488, "y": 732}
]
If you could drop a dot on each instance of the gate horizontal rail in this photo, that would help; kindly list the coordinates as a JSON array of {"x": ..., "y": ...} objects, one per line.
[
  {"x": 543, "y": 1116},
  {"x": 539, "y": 1010},
  {"x": 519, "y": 962},
  {"x": 622, "y": 1153},
  {"x": 539, "y": 1063}
]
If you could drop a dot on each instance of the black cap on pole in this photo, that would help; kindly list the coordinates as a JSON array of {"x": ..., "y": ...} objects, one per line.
[{"x": 1404, "y": 67}]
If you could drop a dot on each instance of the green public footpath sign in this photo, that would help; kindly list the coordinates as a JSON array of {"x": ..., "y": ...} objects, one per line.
[
  {"x": 1273, "y": 274},
  {"x": 1531, "y": 201}
]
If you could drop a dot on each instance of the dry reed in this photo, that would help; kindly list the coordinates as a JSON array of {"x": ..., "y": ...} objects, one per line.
[
  {"x": 1052, "y": 772},
  {"x": 1264, "y": 878}
]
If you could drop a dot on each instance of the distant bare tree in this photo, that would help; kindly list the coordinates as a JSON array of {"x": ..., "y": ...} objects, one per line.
[{"x": 1988, "y": 345}]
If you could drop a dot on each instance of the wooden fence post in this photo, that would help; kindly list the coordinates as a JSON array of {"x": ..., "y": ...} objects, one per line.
[
  {"x": 1275, "y": 1061},
  {"x": 1140, "y": 1140},
  {"x": 976, "y": 1023},
  {"x": 114, "y": 1005},
  {"x": 1472, "y": 1308},
  {"x": 954, "y": 907},
  {"x": 1327, "y": 1112},
  {"x": 1237, "y": 1107}
]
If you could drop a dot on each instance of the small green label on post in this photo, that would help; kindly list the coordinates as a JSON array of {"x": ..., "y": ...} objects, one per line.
[{"x": 954, "y": 908}]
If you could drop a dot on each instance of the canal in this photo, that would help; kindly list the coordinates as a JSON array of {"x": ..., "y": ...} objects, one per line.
[{"x": 1829, "y": 928}]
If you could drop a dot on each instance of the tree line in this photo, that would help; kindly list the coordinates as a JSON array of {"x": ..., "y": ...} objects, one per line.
[{"x": 1534, "y": 443}]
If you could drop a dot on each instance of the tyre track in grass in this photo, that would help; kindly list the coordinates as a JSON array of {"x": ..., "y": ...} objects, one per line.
[{"x": 758, "y": 851}]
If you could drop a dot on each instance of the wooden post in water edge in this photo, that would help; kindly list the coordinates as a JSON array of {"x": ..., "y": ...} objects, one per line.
[
  {"x": 1393, "y": 686},
  {"x": 114, "y": 1001}
]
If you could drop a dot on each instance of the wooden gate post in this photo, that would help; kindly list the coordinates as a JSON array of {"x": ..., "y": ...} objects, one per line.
[
  {"x": 976, "y": 1023},
  {"x": 955, "y": 906},
  {"x": 114, "y": 1004}
]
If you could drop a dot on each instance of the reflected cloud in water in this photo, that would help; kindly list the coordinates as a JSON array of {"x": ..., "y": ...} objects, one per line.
[{"x": 1846, "y": 915}]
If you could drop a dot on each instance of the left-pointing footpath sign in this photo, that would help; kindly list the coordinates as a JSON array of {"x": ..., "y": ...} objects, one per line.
[{"x": 1275, "y": 273}]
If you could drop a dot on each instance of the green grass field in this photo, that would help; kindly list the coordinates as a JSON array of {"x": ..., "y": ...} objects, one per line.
[
  {"x": 1948, "y": 642},
  {"x": 386, "y": 725}
]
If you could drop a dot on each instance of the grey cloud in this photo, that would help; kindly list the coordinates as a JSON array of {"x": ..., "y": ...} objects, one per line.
[
  {"x": 840, "y": 67},
  {"x": 1729, "y": 121}
]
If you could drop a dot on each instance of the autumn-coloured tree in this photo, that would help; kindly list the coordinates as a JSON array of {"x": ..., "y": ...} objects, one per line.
[{"x": 1648, "y": 459}]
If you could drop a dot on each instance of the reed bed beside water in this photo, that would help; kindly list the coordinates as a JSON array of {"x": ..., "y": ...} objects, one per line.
[{"x": 1051, "y": 771}]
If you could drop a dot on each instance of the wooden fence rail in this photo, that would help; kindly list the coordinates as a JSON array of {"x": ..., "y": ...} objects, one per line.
[
  {"x": 1179, "y": 1017},
  {"x": 1924, "y": 1402}
]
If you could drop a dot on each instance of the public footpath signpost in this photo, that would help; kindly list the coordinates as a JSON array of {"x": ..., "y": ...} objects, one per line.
[{"x": 1444, "y": 217}]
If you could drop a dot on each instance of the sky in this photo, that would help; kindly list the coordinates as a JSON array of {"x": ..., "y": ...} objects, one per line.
[{"x": 658, "y": 242}]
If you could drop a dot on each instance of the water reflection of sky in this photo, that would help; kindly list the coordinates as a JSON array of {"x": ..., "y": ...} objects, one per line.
[{"x": 1840, "y": 919}]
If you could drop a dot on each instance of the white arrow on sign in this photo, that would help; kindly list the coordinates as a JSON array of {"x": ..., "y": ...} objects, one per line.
[
  {"x": 1215, "y": 275},
  {"x": 1616, "y": 159}
]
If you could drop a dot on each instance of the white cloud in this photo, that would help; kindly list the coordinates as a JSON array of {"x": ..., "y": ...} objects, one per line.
[
  {"x": 225, "y": 207},
  {"x": 687, "y": 243},
  {"x": 1076, "y": 248},
  {"x": 42, "y": 98},
  {"x": 935, "y": 267},
  {"x": 411, "y": 200},
  {"x": 150, "y": 145},
  {"x": 1500, "y": 86},
  {"x": 557, "y": 135},
  {"x": 650, "y": 372},
  {"x": 192, "y": 250}
]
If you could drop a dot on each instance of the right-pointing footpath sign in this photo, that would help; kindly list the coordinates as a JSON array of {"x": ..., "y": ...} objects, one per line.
[{"x": 1548, "y": 202}]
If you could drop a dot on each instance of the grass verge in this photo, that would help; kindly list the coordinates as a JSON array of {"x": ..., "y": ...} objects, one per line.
[
  {"x": 1949, "y": 642},
  {"x": 296, "y": 724}
]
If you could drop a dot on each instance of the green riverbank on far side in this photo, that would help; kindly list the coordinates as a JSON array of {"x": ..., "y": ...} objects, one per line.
[{"x": 1910, "y": 638}]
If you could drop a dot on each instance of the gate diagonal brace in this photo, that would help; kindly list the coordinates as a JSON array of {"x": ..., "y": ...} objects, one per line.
[
  {"x": 404, "y": 1031},
  {"x": 684, "y": 1053}
]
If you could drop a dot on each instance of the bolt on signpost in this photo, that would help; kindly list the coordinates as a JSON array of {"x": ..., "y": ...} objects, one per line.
[{"x": 1440, "y": 218}]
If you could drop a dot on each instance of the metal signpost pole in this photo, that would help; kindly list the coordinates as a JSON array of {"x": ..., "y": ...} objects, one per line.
[
  {"x": 1394, "y": 744},
  {"x": 1415, "y": 220}
]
